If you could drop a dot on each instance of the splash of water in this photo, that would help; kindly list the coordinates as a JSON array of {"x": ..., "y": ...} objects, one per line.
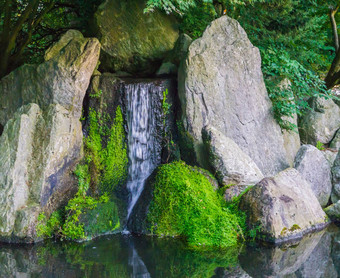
[{"x": 144, "y": 150}]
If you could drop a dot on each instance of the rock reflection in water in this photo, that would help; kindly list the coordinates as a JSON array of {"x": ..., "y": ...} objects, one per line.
[{"x": 310, "y": 258}]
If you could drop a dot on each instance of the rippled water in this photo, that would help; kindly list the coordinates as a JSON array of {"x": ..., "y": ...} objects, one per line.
[{"x": 317, "y": 255}]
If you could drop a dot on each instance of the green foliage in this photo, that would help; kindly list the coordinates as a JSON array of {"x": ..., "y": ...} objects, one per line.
[
  {"x": 47, "y": 228},
  {"x": 185, "y": 204},
  {"x": 295, "y": 43},
  {"x": 320, "y": 146},
  {"x": 288, "y": 100},
  {"x": 96, "y": 94}
]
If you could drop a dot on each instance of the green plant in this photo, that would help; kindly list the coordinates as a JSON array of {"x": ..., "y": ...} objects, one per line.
[
  {"x": 47, "y": 228},
  {"x": 320, "y": 146},
  {"x": 96, "y": 94},
  {"x": 185, "y": 204}
]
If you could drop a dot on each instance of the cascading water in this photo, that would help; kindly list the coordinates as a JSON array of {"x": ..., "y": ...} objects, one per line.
[{"x": 144, "y": 148}]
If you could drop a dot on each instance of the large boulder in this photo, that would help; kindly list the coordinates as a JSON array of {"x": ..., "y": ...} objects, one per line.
[
  {"x": 314, "y": 167},
  {"x": 131, "y": 40},
  {"x": 232, "y": 167},
  {"x": 62, "y": 79},
  {"x": 321, "y": 122},
  {"x": 283, "y": 207},
  {"x": 42, "y": 141},
  {"x": 221, "y": 84}
]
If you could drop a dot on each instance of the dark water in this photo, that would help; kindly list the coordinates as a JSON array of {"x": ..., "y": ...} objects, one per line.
[{"x": 127, "y": 256}]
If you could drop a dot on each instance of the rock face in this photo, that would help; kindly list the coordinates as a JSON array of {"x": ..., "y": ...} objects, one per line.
[
  {"x": 321, "y": 123},
  {"x": 333, "y": 211},
  {"x": 62, "y": 79},
  {"x": 131, "y": 40},
  {"x": 42, "y": 141},
  {"x": 172, "y": 61},
  {"x": 284, "y": 207},
  {"x": 336, "y": 180},
  {"x": 314, "y": 167},
  {"x": 221, "y": 84},
  {"x": 229, "y": 163},
  {"x": 335, "y": 144},
  {"x": 291, "y": 138}
]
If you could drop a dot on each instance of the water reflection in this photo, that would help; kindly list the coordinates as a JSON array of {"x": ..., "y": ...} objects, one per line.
[{"x": 126, "y": 256}]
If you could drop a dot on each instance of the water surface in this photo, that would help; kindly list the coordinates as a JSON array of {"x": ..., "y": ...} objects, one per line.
[{"x": 316, "y": 255}]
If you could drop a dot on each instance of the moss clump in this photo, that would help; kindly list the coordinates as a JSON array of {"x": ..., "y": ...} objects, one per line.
[
  {"x": 108, "y": 165},
  {"x": 185, "y": 204}
]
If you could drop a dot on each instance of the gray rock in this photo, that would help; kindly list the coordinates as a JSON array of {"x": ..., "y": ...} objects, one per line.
[
  {"x": 284, "y": 207},
  {"x": 314, "y": 167},
  {"x": 131, "y": 40},
  {"x": 333, "y": 211},
  {"x": 229, "y": 163},
  {"x": 176, "y": 56},
  {"x": 291, "y": 138},
  {"x": 330, "y": 155},
  {"x": 335, "y": 144},
  {"x": 62, "y": 79},
  {"x": 167, "y": 68},
  {"x": 319, "y": 264},
  {"x": 280, "y": 261},
  {"x": 42, "y": 142},
  {"x": 221, "y": 84},
  {"x": 336, "y": 180},
  {"x": 321, "y": 123}
]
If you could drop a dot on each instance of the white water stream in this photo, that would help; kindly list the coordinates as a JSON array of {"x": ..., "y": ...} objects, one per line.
[{"x": 143, "y": 147}]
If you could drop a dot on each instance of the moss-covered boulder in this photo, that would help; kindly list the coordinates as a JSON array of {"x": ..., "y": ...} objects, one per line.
[
  {"x": 104, "y": 219},
  {"x": 133, "y": 41},
  {"x": 179, "y": 200}
]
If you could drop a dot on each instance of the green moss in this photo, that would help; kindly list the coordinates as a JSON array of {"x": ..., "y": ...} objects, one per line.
[
  {"x": 101, "y": 220},
  {"x": 185, "y": 204},
  {"x": 107, "y": 165},
  {"x": 294, "y": 228},
  {"x": 284, "y": 231},
  {"x": 115, "y": 158}
]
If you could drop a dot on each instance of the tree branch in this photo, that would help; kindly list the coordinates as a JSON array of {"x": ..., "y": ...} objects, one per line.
[{"x": 332, "y": 13}]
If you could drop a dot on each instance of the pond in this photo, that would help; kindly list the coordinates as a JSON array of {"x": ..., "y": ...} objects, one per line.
[{"x": 317, "y": 255}]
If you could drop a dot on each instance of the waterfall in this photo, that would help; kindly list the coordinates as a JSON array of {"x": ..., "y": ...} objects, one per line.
[{"x": 143, "y": 105}]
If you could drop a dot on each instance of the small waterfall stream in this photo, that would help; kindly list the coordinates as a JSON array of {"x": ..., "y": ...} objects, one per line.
[{"x": 144, "y": 148}]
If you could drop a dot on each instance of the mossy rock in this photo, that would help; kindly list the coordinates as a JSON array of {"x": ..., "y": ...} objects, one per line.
[
  {"x": 179, "y": 200},
  {"x": 131, "y": 40},
  {"x": 104, "y": 219}
]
